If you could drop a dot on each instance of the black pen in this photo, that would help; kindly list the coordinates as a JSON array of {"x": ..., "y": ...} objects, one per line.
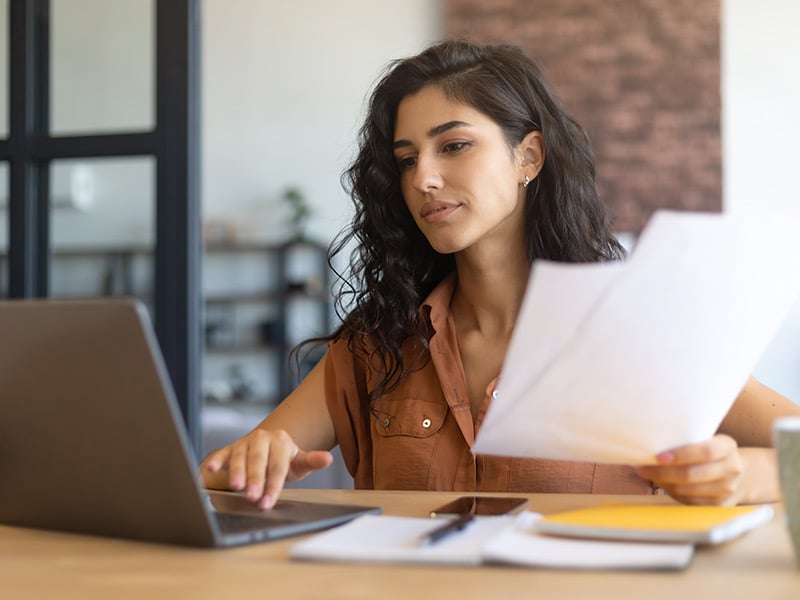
[{"x": 448, "y": 528}]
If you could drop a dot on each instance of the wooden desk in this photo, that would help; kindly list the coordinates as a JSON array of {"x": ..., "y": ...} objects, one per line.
[{"x": 40, "y": 564}]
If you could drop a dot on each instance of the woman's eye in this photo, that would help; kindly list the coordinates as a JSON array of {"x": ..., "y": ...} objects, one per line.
[
  {"x": 406, "y": 162},
  {"x": 455, "y": 146}
]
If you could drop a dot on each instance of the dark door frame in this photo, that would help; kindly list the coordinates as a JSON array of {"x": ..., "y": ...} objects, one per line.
[{"x": 174, "y": 143}]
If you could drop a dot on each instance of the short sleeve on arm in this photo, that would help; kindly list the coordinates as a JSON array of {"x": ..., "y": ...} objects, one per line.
[{"x": 346, "y": 398}]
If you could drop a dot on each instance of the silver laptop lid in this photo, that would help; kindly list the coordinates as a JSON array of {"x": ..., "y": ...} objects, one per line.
[{"x": 90, "y": 433}]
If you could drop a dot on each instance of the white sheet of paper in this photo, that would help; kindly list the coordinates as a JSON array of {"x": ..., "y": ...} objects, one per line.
[
  {"x": 523, "y": 546},
  {"x": 617, "y": 362},
  {"x": 387, "y": 539}
]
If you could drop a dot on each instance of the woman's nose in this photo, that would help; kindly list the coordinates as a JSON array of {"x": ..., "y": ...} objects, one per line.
[{"x": 426, "y": 174}]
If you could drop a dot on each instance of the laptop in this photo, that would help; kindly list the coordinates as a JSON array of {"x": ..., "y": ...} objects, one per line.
[{"x": 92, "y": 440}]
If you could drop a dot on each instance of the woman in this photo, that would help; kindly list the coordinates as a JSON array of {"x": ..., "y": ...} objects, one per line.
[{"x": 468, "y": 170}]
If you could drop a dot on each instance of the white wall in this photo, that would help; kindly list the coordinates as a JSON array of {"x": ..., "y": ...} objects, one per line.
[
  {"x": 761, "y": 94},
  {"x": 283, "y": 88},
  {"x": 760, "y": 130}
]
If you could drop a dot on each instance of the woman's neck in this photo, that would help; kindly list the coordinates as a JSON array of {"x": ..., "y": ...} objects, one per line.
[{"x": 488, "y": 297}]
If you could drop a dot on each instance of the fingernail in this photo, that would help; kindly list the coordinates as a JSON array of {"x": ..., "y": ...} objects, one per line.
[
  {"x": 665, "y": 457},
  {"x": 253, "y": 491},
  {"x": 237, "y": 483},
  {"x": 267, "y": 501}
]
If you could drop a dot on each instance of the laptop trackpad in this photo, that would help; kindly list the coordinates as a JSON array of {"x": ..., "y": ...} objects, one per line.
[{"x": 284, "y": 510}]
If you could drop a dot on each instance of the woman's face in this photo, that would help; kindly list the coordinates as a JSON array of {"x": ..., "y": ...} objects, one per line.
[{"x": 459, "y": 178}]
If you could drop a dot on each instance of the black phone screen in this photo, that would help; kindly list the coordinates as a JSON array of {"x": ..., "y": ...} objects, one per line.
[{"x": 480, "y": 505}]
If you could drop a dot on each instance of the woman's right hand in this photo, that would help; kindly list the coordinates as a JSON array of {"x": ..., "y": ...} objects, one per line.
[{"x": 260, "y": 463}]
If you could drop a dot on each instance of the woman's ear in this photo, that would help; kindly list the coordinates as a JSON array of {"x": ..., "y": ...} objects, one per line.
[{"x": 531, "y": 153}]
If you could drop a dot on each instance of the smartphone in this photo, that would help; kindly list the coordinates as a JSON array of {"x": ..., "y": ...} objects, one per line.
[{"x": 480, "y": 505}]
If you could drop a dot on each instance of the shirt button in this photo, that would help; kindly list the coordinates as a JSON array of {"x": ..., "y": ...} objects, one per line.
[
  {"x": 494, "y": 394},
  {"x": 426, "y": 423},
  {"x": 386, "y": 422}
]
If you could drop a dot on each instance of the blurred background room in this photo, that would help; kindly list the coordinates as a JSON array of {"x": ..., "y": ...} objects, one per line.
[{"x": 690, "y": 105}]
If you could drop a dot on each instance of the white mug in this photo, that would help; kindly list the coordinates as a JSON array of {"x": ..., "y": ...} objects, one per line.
[{"x": 786, "y": 432}]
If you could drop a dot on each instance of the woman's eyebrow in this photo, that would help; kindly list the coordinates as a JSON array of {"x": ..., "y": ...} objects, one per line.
[{"x": 433, "y": 132}]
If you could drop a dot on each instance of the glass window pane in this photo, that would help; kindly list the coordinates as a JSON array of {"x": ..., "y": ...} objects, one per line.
[
  {"x": 102, "y": 227},
  {"x": 102, "y": 66},
  {"x": 4, "y": 68}
]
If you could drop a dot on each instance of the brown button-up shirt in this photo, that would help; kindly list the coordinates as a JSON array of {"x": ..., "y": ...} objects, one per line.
[{"x": 418, "y": 437}]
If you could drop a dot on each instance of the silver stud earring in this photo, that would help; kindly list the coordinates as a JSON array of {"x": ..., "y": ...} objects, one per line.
[{"x": 526, "y": 181}]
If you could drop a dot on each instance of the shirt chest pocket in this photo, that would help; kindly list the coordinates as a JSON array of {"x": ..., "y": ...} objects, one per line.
[
  {"x": 408, "y": 417},
  {"x": 405, "y": 438}
]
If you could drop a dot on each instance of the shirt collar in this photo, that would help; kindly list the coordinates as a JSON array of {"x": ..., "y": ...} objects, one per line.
[{"x": 436, "y": 307}]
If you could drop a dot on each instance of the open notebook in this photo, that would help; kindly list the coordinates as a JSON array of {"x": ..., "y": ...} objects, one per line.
[
  {"x": 511, "y": 540},
  {"x": 92, "y": 441}
]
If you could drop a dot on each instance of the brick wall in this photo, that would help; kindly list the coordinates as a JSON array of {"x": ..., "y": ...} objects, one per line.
[{"x": 643, "y": 78}]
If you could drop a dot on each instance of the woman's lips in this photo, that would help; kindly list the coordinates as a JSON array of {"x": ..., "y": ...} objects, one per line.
[{"x": 433, "y": 212}]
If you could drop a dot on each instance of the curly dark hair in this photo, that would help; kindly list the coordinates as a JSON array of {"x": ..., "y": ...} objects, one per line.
[{"x": 393, "y": 267}]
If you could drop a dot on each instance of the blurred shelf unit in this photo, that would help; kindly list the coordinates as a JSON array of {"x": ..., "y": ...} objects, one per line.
[
  {"x": 82, "y": 272},
  {"x": 259, "y": 301}
]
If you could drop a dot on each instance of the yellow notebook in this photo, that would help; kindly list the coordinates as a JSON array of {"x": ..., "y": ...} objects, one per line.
[{"x": 657, "y": 522}]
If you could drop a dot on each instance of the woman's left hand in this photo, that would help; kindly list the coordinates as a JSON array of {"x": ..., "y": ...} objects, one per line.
[{"x": 711, "y": 472}]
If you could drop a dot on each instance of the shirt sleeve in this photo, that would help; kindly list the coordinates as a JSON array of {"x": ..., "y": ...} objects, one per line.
[{"x": 348, "y": 404}]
